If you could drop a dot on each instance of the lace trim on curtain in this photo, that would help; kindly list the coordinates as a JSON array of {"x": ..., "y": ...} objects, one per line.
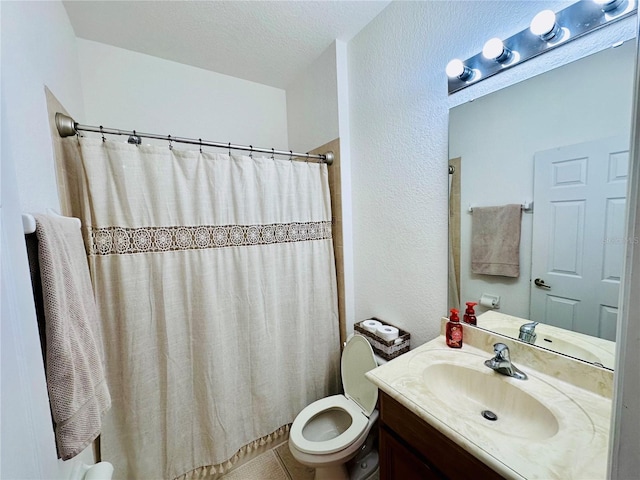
[
  {"x": 227, "y": 465},
  {"x": 121, "y": 240}
]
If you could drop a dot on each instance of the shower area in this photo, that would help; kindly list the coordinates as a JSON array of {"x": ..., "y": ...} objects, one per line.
[{"x": 214, "y": 273}]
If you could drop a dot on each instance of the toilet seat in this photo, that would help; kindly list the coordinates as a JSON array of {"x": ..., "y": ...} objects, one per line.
[
  {"x": 359, "y": 423},
  {"x": 359, "y": 401}
]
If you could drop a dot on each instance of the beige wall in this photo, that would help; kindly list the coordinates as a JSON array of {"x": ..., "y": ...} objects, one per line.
[{"x": 337, "y": 224}]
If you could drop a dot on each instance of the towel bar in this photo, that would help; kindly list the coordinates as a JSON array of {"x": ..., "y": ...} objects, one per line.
[
  {"x": 29, "y": 222},
  {"x": 526, "y": 207}
]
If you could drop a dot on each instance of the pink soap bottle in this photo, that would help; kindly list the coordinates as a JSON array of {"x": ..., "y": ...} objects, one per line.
[
  {"x": 470, "y": 314},
  {"x": 454, "y": 330}
]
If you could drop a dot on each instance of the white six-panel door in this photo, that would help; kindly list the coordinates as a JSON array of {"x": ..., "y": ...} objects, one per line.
[{"x": 578, "y": 235}]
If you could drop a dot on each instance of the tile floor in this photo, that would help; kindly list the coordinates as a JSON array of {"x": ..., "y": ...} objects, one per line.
[{"x": 275, "y": 464}]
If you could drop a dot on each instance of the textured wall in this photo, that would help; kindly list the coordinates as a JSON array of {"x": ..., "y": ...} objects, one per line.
[{"x": 399, "y": 110}]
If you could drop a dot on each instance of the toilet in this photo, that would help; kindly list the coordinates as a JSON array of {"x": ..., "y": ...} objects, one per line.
[{"x": 329, "y": 432}]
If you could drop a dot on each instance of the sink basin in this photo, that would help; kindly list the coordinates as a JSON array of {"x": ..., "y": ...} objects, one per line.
[
  {"x": 513, "y": 411},
  {"x": 456, "y": 385}
]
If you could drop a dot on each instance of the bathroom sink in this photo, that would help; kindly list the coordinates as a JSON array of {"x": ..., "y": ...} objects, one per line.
[
  {"x": 541, "y": 427},
  {"x": 456, "y": 386},
  {"x": 491, "y": 400}
]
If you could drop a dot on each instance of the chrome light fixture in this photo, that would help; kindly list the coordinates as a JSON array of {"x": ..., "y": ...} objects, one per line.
[
  {"x": 495, "y": 49},
  {"x": 457, "y": 69},
  {"x": 544, "y": 25},
  {"x": 547, "y": 30}
]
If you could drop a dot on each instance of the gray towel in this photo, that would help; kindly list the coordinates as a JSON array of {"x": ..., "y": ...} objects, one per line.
[
  {"x": 78, "y": 392},
  {"x": 495, "y": 240}
]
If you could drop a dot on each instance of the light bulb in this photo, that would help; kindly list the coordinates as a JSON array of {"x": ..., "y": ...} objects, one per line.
[
  {"x": 544, "y": 25},
  {"x": 457, "y": 69},
  {"x": 494, "y": 49}
]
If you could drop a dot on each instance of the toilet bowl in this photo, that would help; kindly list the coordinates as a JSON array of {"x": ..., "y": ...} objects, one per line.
[{"x": 329, "y": 432}]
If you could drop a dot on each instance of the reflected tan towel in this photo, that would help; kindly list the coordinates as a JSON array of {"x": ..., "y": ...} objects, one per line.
[
  {"x": 78, "y": 392},
  {"x": 495, "y": 240}
]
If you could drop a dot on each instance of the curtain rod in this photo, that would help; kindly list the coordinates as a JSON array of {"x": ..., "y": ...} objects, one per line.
[{"x": 68, "y": 127}]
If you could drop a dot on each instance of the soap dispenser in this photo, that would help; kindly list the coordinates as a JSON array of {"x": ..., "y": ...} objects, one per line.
[
  {"x": 454, "y": 330},
  {"x": 470, "y": 314}
]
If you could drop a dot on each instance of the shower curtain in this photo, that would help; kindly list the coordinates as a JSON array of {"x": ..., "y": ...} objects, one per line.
[{"x": 216, "y": 284}]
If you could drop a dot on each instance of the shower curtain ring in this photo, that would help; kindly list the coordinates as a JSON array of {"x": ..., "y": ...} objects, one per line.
[
  {"x": 200, "y": 145},
  {"x": 291, "y": 155},
  {"x": 229, "y": 149},
  {"x": 307, "y": 157},
  {"x": 272, "y": 153},
  {"x": 102, "y": 133},
  {"x": 250, "y": 151},
  {"x": 170, "y": 142}
]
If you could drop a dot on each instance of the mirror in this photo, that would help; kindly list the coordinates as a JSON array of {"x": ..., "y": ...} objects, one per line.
[{"x": 557, "y": 144}]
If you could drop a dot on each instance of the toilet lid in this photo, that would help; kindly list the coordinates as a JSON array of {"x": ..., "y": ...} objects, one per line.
[{"x": 358, "y": 359}]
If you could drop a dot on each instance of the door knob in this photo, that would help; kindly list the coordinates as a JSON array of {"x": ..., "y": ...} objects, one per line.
[{"x": 540, "y": 283}]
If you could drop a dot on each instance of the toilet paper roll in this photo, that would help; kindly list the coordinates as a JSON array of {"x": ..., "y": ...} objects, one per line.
[
  {"x": 489, "y": 301},
  {"x": 387, "y": 333},
  {"x": 371, "y": 325}
]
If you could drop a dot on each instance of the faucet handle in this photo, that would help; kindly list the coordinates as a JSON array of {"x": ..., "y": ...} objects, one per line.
[
  {"x": 528, "y": 333},
  {"x": 528, "y": 327},
  {"x": 501, "y": 351}
]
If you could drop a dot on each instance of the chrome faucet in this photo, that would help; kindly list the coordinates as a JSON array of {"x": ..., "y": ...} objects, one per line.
[
  {"x": 528, "y": 333},
  {"x": 501, "y": 363}
]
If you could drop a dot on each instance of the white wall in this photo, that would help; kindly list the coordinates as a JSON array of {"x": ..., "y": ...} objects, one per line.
[
  {"x": 497, "y": 136},
  {"x": 398, "y": 108},
  {"x": 344, "y": 129},
  {"x": 128, "y": 90},
  {"x": 312, "y": 104},
  {"x": 38, "y": 49},
  {"x": 317, "y": 113}
]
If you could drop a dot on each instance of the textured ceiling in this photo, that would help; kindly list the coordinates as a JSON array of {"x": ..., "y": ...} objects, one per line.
[{"x": 268, "y": 42}]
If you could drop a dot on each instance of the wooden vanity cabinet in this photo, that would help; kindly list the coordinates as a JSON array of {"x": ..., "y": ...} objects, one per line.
[{"x": 411, "y": 449}]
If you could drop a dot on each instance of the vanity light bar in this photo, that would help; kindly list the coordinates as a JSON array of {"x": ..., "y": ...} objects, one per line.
[{"x": 547, "y": 31}]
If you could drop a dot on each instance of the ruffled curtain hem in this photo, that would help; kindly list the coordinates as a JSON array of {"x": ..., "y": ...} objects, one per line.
[{"x": 215, "y": 471}]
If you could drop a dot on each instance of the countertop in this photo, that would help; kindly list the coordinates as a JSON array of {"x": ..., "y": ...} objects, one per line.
[{"x": 577, "y": 449}]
